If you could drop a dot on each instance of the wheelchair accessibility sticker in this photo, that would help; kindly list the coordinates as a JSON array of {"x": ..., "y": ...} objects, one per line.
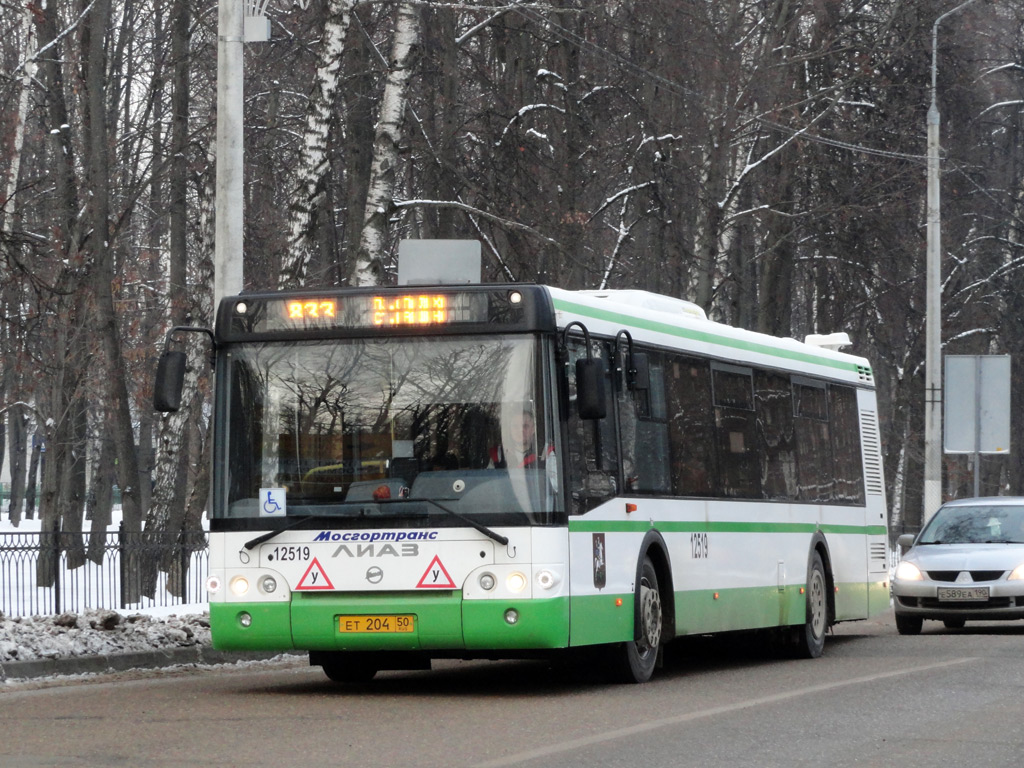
[{"x": 272, "y": 502}]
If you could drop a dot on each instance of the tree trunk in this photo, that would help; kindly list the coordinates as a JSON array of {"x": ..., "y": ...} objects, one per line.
[
  {"x": 14, "y": 170},
  {"x": 96, "y": 163},
  {"x": 311, "y": 177},
  {"x": 172, "y": 512},
  {"x": 19, "y": 444},
  {"x": 358, "y": 149},
  {"x": 383, "y": 169},
  {"x": 99, "y": 507},
  {"x": 32, "y": 481}
]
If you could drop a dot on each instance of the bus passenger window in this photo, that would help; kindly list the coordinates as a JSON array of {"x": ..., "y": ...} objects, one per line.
[
  {"x": 644, "y": 434},
  {"x": 849, "y": 465},
  {"x": 775, "y": 435},
  {"x": 739, "y": 472},
  {"x": 691, "y": 427},
  {"x": 814, "y": 445}
]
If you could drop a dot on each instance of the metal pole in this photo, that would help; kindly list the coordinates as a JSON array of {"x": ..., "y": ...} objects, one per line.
[
  {"x": 933, "y": 305},
  {"x": 56, "y": 567},
  {"x": 977, "y": 427},
  {"x": 227, "y": 258},
  {"x": 122, "y": 561}
]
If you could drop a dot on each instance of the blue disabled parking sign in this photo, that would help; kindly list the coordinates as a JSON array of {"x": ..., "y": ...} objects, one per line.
[{"x": 272, "y": 502}]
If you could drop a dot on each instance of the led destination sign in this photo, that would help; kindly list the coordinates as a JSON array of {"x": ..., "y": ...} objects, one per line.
[
  {"x": 420, "y": 309},
  {"x": 413, "y": 309},
  {"x": 409, "y": 309},
  {"x": 311, "y": 309},
  {"x": 394, "y": 310}
]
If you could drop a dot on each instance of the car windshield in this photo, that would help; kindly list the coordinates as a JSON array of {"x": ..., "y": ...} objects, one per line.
[
  {"x": 984, "y": 523},
  {"x": 369, "y": 428}
]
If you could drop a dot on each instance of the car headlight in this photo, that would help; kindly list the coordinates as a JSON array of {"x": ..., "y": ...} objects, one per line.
[
  {"x": 908, "y": 572},
  {"x": 1017, "y": 573}
]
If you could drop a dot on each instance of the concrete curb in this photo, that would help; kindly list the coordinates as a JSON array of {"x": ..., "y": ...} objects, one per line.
[{"x": 119, "y": 662}]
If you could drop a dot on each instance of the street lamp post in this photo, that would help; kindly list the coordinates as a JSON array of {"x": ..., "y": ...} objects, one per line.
[
  {"x": 227, "y": 258},
  {"x": 933, "y": 306},
  {"x": 238, "y": 22}
]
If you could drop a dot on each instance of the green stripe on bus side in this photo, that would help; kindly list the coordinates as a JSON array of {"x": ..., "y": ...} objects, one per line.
[
  {"x": 879, "y": 599},
  {"x": 597, "y": 618},
  {"x": 700, "y": 526},
  {"x": 704, "y": 610},
  {"x": 712, "y": 338},
  {"x": 604, "y": 618}
]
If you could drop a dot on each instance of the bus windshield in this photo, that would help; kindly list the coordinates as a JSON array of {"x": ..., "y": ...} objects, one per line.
[{"x": 368, "y": 428}]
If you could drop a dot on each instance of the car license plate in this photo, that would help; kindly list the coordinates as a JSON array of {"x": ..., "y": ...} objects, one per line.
[
  {"x": 954, "y": 594},
  {"x": 376, "y": 623}
]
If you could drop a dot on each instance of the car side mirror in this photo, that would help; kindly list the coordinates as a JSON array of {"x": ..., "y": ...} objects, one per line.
[{"x": 905, "y": 541}]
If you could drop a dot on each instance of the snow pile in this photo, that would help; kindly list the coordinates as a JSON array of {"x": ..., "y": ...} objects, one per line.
[{"x": 97, "y": 632}]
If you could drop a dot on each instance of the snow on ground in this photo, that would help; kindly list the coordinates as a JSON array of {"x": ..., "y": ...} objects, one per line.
[{"x": 97, "y": 632}]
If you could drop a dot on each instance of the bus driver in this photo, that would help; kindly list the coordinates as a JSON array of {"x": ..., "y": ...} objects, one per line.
[{"x": 523, "y": 449}]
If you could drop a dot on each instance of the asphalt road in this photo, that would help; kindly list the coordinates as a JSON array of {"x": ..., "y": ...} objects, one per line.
[{"x": 875, "y": 699}]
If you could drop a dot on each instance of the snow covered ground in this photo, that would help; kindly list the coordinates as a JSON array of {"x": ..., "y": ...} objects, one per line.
[
  {"x": 94, "y": 633},
  {"x": 99, "y": 632}
]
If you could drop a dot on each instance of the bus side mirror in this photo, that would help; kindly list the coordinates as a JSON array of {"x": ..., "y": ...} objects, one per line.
[
  {"x": 170, "y": 381},
  {"x": 590, "y": 402},
  {"x": 639, "y": 376}
]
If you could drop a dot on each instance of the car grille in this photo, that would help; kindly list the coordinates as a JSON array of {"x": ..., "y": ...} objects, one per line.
[
  {"x": 931, "y": 602},
  {"x": 994, "y": 602},
  {"x": 950, "y": 576}
]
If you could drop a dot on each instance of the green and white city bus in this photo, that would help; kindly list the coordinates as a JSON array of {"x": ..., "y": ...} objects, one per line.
[{"x": 497, "y": 471}]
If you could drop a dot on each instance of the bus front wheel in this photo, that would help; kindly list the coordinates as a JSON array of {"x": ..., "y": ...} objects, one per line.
[
  {"x": 340, "y": 671},
  {"x": 634, "y": 661}
]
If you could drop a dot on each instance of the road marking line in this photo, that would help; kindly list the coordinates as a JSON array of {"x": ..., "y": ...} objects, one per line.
[{"x": 653, "y": 725}]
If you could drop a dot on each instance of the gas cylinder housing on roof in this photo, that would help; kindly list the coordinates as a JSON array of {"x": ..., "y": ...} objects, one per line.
[{"x": 438, "y": 262}]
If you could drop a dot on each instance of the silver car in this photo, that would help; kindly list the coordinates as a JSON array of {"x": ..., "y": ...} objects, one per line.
[{"x": 967, "y": 564}]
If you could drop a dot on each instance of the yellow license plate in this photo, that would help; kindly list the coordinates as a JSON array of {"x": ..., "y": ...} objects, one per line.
[{"x": 376, "y": 623}]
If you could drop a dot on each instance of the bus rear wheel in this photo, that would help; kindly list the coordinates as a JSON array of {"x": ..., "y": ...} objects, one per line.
[
  {"x": 634, "y": 661},
  {"x": 810, "y": 638}
]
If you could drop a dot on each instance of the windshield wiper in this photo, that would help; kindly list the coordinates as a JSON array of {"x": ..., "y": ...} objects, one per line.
[
  {"x": 469, "y": 521},
  {"x": 299, "y": 520},
  {"x": 271, "y": 534}
]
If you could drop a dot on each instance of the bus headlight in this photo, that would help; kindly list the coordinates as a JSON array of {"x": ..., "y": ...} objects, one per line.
[
  {"x": 547, "y": 579},
  {"x": 487, "y": 581},
  {"x": 268, "y": 584},
  {"x": 213, "y": 585},
  {"x": 515, "y": 581},
  {"x": 239, "y": 586}
]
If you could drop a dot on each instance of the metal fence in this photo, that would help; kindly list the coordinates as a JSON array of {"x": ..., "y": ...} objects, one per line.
[{"x": 49, "y": 573}]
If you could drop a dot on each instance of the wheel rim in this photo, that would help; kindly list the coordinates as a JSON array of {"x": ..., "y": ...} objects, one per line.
[
  {"x": 816, "y": 603},
  {"x": 650, "y": 619}
]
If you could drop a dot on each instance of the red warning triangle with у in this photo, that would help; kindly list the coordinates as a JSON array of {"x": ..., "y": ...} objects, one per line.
[
  {"x": 314, "y": 578},
  {"x": 436, "y": 577}
]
